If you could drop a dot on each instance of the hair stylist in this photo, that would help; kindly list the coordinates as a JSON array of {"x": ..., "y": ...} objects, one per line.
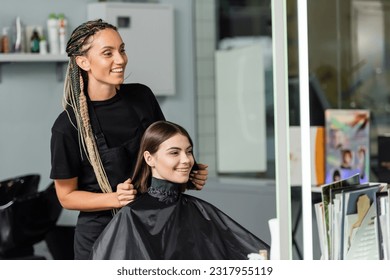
[{"x": 95, "y": 140}]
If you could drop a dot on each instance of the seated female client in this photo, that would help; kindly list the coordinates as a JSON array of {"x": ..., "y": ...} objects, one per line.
[{"x": 164, "y": 223}]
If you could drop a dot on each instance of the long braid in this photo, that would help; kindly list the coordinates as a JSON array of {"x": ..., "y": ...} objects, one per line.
[
  {"x": 89, "y": 139},
  {"x": 75, "y": 98}
]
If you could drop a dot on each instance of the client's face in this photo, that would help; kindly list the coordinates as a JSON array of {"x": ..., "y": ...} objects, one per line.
[{"x": 173, "y": 160}]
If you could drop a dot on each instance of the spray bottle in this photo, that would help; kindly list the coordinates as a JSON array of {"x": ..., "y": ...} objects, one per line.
[
  {"x": 52, "y": 32},
  {"x": 62, "y": 26}
]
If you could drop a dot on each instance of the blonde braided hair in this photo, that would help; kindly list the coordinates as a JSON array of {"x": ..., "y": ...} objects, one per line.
[{"x": 75, "y": 98}]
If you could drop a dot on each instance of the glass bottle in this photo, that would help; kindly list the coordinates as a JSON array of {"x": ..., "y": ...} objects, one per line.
[{"x": 34, "y": 42}]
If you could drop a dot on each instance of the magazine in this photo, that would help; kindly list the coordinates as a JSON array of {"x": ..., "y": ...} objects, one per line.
[
  {"x": 347, "y": 144},
  {"x": 359, "y": 235},
  {"x": 325, "y": 192}
]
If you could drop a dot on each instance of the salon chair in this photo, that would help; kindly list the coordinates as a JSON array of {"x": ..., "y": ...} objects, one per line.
[
  {"x": 26, "y": 219},
  {"x": 19, "y": 186}
]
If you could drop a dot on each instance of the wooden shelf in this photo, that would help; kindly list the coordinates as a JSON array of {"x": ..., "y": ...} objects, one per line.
[{"x": 58, "y": 59}]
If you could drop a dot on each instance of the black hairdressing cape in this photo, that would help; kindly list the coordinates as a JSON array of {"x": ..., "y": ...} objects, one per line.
[{"x": 165, "y": 224}]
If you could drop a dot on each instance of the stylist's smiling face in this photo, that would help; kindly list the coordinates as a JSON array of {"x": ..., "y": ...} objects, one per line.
[{"x": 107, "y": 57}]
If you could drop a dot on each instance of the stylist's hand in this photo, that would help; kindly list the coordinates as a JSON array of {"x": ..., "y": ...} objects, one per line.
[
  {"x": 125, "y": 192},
  {"x": 199, "y": 177}
]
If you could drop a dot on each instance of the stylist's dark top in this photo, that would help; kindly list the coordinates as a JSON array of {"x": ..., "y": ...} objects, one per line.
[{"x": 118, "y": 124}]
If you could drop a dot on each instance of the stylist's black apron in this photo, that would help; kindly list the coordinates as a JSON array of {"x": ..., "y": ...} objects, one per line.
[{"x": 118, "y": 164}]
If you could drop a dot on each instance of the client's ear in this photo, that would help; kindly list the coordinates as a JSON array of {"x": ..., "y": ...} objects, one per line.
[{"x": 149, "y": 159}]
